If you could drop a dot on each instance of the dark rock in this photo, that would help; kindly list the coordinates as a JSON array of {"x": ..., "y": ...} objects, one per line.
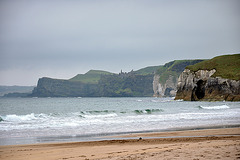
[
  {"x": 48, "y": 87},
  {"x": 194, "y": 86}
]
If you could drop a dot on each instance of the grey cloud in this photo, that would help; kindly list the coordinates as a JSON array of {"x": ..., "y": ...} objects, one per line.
[{"x": 56, "y": 35}]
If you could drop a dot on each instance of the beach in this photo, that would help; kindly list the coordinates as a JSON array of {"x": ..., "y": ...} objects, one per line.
[{"x": 190, "y": 144}]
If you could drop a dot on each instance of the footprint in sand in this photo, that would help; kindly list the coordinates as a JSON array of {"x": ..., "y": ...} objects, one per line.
[{"x": 82, "y": 156}]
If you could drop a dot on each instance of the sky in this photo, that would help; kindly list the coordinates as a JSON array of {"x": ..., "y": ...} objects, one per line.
[{"x": 63, "y": 38}]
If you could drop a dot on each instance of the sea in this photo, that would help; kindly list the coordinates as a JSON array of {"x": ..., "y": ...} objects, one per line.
[{"x": 45, "y": 120}]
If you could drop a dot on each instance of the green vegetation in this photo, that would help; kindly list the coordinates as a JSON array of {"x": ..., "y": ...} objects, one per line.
[
  {"x": 125, "y": 85},
  {"x": 97, "y": 83},
  {"x": 147, "y": 70},
  {"x": 173, "y": 68},
  {"x": 91, "y": 77},
  {"x": 109, "y": 85},
  {"x": 227, "y": 66},
  {"x": 48, "y": 87}
]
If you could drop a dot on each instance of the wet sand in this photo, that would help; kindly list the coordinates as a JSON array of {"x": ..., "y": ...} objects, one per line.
[{"x": 194, "y": 145}]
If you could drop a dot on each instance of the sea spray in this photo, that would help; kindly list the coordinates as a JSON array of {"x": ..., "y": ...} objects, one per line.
[
  {"x": 148, "y": 111},
  {"x": 1, "y": 119},
  {"x": 20, "y": 118},
  {"x": 214, "y": 107},
  {"x": 41, "y": 118}
]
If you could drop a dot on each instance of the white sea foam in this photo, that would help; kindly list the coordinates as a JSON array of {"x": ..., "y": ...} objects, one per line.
[
  {"x": 101, "y": 115},
  {"x": 215, "y": 107},
  {"x": 44, "y": 117},
  {"x": 71, "y": 124},
  {"x": 17, "y": 118},
  {"x": 179, "y": 100}
]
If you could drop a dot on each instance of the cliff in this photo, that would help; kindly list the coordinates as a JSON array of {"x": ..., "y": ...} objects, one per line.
[
  {"x": 165, "y": 77},
  {"x": 48, "y": 87},
  {"x": 91, "y": 77},
  {"x": 126, "y": 85},
  {"x": 96, "y": 84},
  {"x": 168, "y": 88},
  {"x": 212, "y": 80}
]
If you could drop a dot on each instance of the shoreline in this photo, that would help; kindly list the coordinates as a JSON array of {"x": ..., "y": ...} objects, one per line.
[
  {"x": 194, "y": 132},
  {"x": 106, "y": 136},
  {"x": 199, "y": 144}
]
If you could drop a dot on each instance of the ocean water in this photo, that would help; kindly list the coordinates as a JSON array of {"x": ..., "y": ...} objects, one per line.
[{"x": 38, "y": 120}]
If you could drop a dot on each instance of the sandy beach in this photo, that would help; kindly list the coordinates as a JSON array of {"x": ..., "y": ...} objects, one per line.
[{"x": 193, "y": 144}]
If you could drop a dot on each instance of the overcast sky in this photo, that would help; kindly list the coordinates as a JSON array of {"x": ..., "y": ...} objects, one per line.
[{"x": 62, "y": 38}]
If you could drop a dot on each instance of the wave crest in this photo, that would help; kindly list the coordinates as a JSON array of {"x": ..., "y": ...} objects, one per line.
[
  {"x": 15, "y": 118},
  {"x": 148, "y": 111},
  {"x": 1, "y": 119},
  {"x": 214, "y": 107}
]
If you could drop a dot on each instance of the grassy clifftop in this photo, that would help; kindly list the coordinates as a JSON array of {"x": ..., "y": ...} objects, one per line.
[
  {"x": 91, "y": 77},
  {"x": 174, "y": 68},
  {"x": 227, "y": 66},
  {"x": 147, "y": 70}
]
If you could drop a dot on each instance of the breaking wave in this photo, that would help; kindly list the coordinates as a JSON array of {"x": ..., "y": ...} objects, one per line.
[
  {"x": 16, "y": 118},
  {"x": 97, "y": 112},
  {"x": 1, "y": 119},
  {"x": 214, "y": 107},
  {"x": 81, "y": 114},
  {"x": 148, "y": 111}
]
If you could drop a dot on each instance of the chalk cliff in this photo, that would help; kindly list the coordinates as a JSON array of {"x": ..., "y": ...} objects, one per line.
[
  {"x": 193, "y": 86},
  {"x": 208, "y": 84},
  {"x": 165, "y": 78},
  {"x": 164, "y": 89}
]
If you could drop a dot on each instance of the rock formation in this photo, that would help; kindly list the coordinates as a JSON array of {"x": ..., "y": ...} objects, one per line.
[
  {"x": 92, "y": 85},
  {"x": 194, "y": 86},
  {"x": 168, "y": 89},
  {"x": 165, "y": 78},
  {"x": 216, "y": 79},
  {"x": 48, "y": 87}
]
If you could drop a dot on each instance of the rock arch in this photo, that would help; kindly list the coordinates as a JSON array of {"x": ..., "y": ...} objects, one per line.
[
  {"x": 168, "y": 92},
  {"x": 200, "y": 89}
]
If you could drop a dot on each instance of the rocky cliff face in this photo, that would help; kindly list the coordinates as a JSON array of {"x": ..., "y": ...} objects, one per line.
[
  {"x": 166, "y": 76},
  {"x": 48, "y": 87},
  {"x": 169, "y": 88},
  {"x": 117, "y": 85},
  {"x": 194, "y": 86}
]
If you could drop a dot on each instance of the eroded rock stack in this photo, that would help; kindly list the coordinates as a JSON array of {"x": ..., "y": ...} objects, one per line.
[{"x": 203, "y": 85}]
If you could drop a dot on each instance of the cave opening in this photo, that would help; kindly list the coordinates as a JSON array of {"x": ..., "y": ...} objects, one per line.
[
  {"x": 168, "y": 92},
  {"x": 200, "y": 90}
]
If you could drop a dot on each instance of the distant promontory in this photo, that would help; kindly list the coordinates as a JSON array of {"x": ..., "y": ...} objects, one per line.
[
  {"x": 159, "y": 81},
  {"x": 216, "y": 79}
]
